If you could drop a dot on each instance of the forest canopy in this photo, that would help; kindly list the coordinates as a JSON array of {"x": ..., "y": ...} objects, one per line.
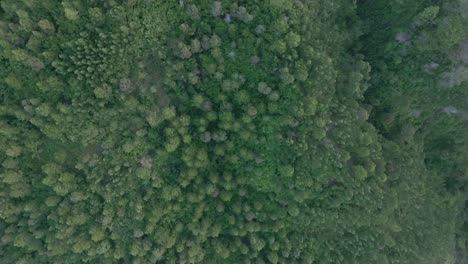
[{"x": 274, "y": 131}]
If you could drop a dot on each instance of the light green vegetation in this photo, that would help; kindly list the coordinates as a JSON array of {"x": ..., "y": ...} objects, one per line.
[{"x": 276, "y": 131}]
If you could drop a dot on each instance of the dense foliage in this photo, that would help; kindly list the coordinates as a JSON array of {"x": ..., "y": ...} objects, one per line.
[{"x": 276, "y": 131}]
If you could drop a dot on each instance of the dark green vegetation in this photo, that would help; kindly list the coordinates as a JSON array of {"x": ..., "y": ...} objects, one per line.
[{"x": 273, "y": 131}]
